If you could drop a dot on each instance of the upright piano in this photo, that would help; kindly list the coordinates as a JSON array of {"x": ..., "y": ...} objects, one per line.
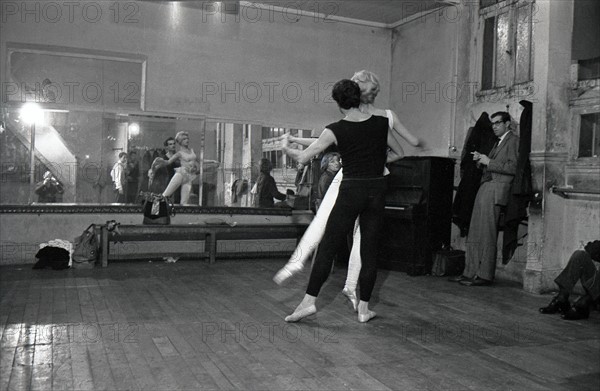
[{"x": 418, "y": 213}]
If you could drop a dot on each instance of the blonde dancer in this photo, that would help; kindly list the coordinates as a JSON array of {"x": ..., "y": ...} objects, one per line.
[
  {"x": 184, "y": 175},
  {"x": 369, "y": 85}
]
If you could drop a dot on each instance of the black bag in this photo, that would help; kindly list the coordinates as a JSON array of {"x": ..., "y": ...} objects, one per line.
[
  {"x": 448, "y": 262},
  {"x": 158, "y": 210},
  {"x": 54, "y": 257},
  {"x": 85, "y": 249}
]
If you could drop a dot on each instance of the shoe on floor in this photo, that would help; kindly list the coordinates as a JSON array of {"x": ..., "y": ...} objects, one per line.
[
  {"x": 476, "y": 282},
  {"x": 555, "y": 306},
  {"x": 364, "y": 318},
  {"x": 301, "y": 313},
  {"x": 351, "y": 295},
  {"x": 576, "y": 313},
  {"x": 457, "y": 278}
]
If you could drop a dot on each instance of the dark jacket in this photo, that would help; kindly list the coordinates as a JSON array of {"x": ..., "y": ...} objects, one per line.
[{"x": 266, "y": 190}]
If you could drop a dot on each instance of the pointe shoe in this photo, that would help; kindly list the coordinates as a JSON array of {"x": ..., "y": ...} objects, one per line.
[
  {"x": 351, "y": 295},
  {"x": 282, "y": 276},
  {"x": 364, "y": 318},
  {"x": 301, "y": 313}
]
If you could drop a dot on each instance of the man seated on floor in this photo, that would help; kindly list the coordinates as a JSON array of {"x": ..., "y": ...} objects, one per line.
[{"x": 580, "y": 267}]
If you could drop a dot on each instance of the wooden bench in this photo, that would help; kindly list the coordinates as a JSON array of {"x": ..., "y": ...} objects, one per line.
[{"x": 194, "y": 232}]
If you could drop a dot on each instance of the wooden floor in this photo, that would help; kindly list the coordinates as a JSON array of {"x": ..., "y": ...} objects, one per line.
[{"x": 194, "y": 326}]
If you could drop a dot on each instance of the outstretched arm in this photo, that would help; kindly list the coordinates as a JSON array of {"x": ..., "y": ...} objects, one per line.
[
  {"x": 395, "y": 135},
  {"x": 301, "y": 140},
  {"x": 173, "y": 158},
  {"x": 400, "y": 130},
  {"x": 325, "y": 140},
  {"x": 395, "y": 151}
]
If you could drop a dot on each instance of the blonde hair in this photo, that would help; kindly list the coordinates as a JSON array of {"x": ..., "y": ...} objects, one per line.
[
  {"x": 180, "y": 135},
  {"x": 365, "y": 80}
]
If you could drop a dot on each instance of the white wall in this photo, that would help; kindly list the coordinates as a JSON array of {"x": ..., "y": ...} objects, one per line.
[{"x": 421, "y": 94}]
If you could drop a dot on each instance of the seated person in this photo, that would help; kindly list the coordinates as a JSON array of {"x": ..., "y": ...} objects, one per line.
[
  {"x": 580, "y": 267},
  {"x": 50, "y": 189}
]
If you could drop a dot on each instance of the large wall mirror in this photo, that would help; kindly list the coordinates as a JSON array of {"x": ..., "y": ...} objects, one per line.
[
  {"x": 66, "y": 156},
  {"x": 76, "y": 150}
]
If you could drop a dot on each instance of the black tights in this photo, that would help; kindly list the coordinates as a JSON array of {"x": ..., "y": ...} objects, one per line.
[{"x": 364, "y": 198}]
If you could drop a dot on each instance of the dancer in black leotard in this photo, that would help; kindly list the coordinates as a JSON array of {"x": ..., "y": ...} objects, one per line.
[{"x": 362, "y": 142}]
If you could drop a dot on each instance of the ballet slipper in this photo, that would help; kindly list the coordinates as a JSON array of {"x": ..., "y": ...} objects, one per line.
[
  {"x": 301, "y": 313},
  {"x": 351, "y": 295},
  {"x": 282, "y": 276},
  {"x": 364, "y": 318},
  {"x": 287, "y": 272}
]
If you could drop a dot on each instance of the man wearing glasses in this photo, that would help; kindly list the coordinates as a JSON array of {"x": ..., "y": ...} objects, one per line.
[{"x": 498, "y": 173}]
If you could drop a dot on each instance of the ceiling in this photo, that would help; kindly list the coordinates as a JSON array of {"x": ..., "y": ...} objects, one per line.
[{"x": 377, "y": 13}]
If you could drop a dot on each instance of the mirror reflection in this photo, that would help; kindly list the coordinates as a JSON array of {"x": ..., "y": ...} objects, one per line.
[
  {"x": 245, "y": 154},
  {"x": 90, "y": 157}
]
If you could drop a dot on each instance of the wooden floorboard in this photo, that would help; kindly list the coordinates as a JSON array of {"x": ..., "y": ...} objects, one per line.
[{"x": 195, "y": 326}]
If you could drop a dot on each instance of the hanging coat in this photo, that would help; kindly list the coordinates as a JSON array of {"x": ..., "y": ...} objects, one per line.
[
  {"x": 521, "y": 191},
  {"x": 480, "y": 138}
]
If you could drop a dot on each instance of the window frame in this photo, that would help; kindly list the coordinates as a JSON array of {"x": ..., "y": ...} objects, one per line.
[
  {"x": 576, "y": 113},
  {"x": 511, "y": 7}
]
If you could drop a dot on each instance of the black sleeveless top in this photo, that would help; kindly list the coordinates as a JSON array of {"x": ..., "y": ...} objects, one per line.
[{"x": 363, "y": 146}]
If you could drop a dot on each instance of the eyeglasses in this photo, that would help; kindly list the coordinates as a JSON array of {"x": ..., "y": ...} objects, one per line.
[{"x": 497, "y": 123}]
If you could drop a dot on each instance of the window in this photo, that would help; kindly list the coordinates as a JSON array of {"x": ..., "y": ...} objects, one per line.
[
  {"x": 507, "y": 43},
  {"x": 589, "y": 135}
]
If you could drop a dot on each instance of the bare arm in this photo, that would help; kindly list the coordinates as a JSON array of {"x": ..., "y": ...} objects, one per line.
[
  {"x": 302, "y": 141},
  {"x": 395, "y": 151},
  {"x": 325, "y": 140},
  {"x": 173, "y": 158},
  {"x": 401, "y": 131}
]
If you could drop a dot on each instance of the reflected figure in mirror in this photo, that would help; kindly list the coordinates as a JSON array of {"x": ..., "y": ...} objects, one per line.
[
  {"x": 160, "y": 173},
  {"x": 266, "y": 189},
  {"x": 118, "y": 175},
  {"x": 132, "y": 174},
  {"x": 50, "y": 189},
  {"x": 186, "y": 173}
]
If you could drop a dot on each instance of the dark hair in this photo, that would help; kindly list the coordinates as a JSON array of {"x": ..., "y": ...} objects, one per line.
[
  {"x": 122, "y": 154},
  {"x": 505, "y": 116},
  {"x": 593, "y": 248},
  {"x": 265, "y": 165},
  {"x": 166, "y": 143},
  {"x": 346, "y": 93}
]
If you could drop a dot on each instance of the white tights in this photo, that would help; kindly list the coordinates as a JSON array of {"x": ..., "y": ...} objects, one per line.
[
  {"x": 313, "y": 235},
  {"x": 174, "y": 184}
]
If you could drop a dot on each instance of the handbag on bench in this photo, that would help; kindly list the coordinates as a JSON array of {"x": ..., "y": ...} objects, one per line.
[{"x": 158, "y": 209}]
